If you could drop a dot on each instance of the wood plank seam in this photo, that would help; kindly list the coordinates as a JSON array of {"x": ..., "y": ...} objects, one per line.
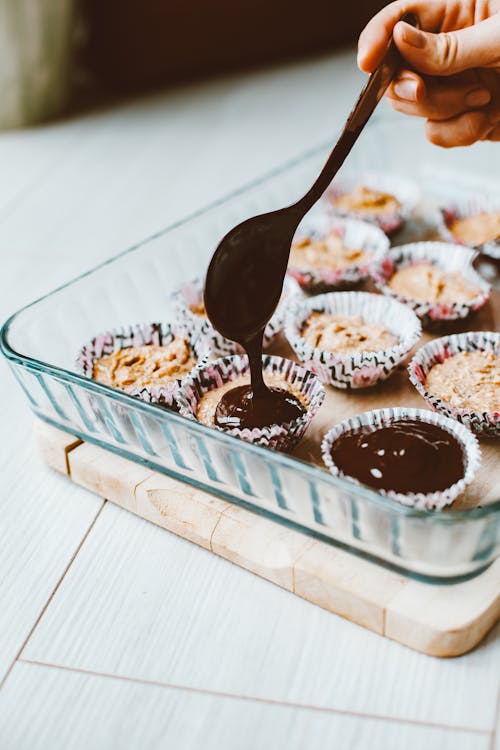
[
  {"x": 256, "y": 698},
  {"x": 496, "y": 724},
  {"x": 53, "y": 593}
]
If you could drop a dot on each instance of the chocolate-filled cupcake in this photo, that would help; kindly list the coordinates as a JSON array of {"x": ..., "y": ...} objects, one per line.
[
  {"x": 331, "y": 252},
  {"x": 218, "y": 396},
  {"x": 146, "y": 360},
  {"x": 413, "y": 456}
]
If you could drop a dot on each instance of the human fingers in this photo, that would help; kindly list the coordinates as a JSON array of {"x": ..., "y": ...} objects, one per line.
[
  {"x": 463, "y": 130},
  {"x": 447, "y": 53},
  {"x": 436, "y": 99},
  {"x": 374, "y": 38}
]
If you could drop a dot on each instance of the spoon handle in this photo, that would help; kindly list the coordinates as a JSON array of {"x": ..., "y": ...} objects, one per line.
[{"x": 368, "y": 99}]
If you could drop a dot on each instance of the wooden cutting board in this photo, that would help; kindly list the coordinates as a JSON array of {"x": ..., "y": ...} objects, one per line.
[{"x": 440, "y": 620}]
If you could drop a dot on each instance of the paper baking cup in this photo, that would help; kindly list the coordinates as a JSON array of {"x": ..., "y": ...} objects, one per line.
[
  {"x": 215, "y": 374},
  {"x": 473, "y": 204},
  {"x": 156, "y": 334},
  {"x": 435, "y": 352},
  {"x": 446, "y": 256},
  {"x": 404, "y": 190},
  {"x": 385, "y": 417},
  {"x": 191, "y": 293},
  {"x": 354, "y": 234},
  {"x": 361, "y": 369}
]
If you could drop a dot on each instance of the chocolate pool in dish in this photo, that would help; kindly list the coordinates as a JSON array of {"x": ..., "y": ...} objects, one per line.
[
  {"x": 385, "y": 200},
  {"x": 329, "y": 252},
  {"x": 435, "y": 279},
  {"x": 459, "y": 376},
  {"x": 412, "y": 455},
  {"x": 144, "y": 358},
  {"x": 189, "y": 311},
  {"x": 352, "y": 339},
  {"x": 219, "y": 395}
]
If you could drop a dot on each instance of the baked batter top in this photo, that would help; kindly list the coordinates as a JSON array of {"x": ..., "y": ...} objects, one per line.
[
  {"x": 476, "y": 230},
  {"x": 469, "y": 380},
  {"x": 326, "y": 252},
  {"x": 146, "y": 365},
  {"x": 346, "y": 334},
  {"x": 367, "y": 201},
  {"x": 425, "y": 282}
]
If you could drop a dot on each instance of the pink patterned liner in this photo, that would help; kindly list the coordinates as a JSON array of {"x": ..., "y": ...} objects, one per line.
[
  {"x": 220, "y": 371},
  {"x": 384, "y": 417},
  {"x": 191, "y": 293},
  {"x": 142, "y": 334},
  {"x": 447, "y": 257},
  {"x": 473, "y": 204},
  {"x": 362, "y": 369},
  {"x": 436, "y": 351},
  {"x": 355, "y": 234},
  {"x": 405, "y": 191}
]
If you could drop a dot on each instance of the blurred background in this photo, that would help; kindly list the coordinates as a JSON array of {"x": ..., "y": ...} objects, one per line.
[{"x": 62, "y": 55}]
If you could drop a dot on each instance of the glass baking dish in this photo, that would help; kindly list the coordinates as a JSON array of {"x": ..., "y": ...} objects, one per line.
[{"x": 41, "y": 342}]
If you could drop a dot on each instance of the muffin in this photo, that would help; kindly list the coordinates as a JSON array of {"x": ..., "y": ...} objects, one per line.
[
  {"x": 219, "y": 395},
  {"x": 189, "y": 311},
  {"x": 351, "y": 339},
  {"x": 327, "y": 252},
  {"x": 459, "y": 376},
  {"x": 426, "y": 282},
  {"x": 384, "y": 200},
  {"x": 473, "y": 220},
  {"x": 413, "y": 456},
  {"x": 436, "y": 280},
  {"x": 142, "y": 359}
]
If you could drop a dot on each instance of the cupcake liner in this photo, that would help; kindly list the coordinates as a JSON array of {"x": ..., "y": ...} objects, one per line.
[
  {"x": 470, "y": 205},
  {"x": 445, "y": 256},
  {"x": 383, "y": 418},
  {"x": 361, "y": 369},
  {"x": 191, "y": 293},
  {"x": 220, "y": 371},
  {"x": 404, "y": 190},
  {"x": 157, "y": 334},
  {"x": 436, "y": 351},
  {"x": 354, "y": 234}
]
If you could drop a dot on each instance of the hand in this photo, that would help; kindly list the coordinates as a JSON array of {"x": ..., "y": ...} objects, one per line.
[{"x": 458, "y": 52}]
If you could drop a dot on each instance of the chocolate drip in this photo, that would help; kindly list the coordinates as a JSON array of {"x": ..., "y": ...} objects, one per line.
[
  {"x": 241, "y": 408},
  {"x": 407, "y": 456}
]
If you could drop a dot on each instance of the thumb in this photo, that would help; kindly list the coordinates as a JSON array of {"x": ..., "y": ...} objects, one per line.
[{"x": 450, "y": 52}]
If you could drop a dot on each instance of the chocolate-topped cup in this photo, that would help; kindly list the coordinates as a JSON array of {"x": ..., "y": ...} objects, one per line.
[
  {"x": 219, "y": 395},
  {"x": 414, "y": 456}
]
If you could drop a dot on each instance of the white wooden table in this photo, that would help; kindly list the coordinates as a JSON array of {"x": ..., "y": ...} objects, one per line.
[{"x": 114, "y": 633}]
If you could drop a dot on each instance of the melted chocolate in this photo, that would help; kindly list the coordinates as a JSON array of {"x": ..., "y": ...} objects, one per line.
[
  {"x": 407, "y": 456},
  {"x": 240, "y": 408}
]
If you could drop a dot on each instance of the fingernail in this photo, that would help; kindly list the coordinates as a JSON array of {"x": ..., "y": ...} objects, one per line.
[
  {"x": 413, "y": 37},
  {"x": 478, "y": 98},
  {"x": 406, "y": 88}
]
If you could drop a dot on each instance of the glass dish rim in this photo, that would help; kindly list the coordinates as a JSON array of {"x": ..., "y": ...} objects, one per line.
[{"x": 312, "y": 472}]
